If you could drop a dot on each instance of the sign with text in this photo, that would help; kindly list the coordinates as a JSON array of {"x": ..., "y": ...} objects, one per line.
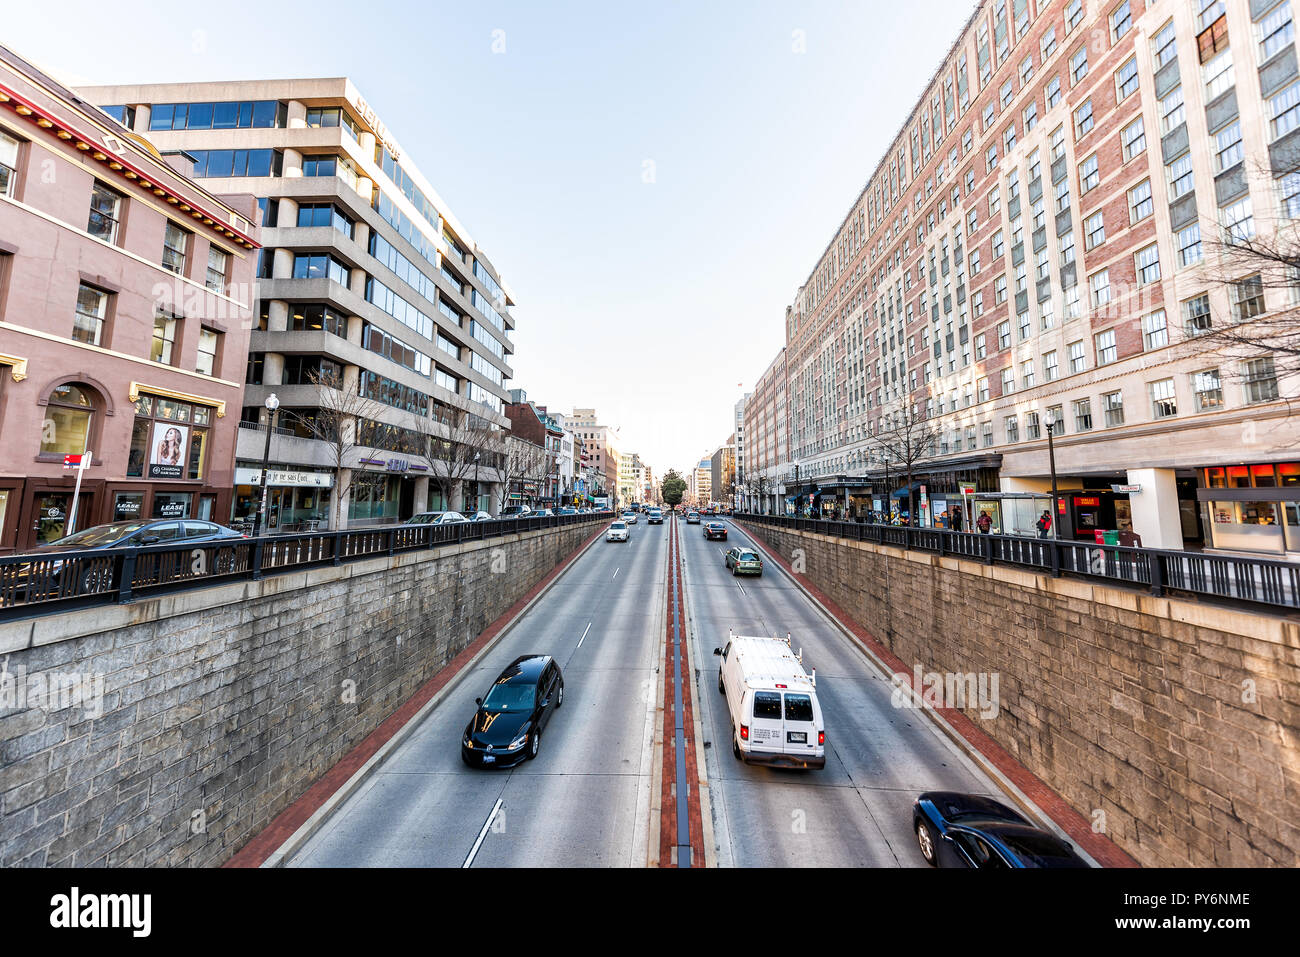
[{"x": 167, "y": 450}]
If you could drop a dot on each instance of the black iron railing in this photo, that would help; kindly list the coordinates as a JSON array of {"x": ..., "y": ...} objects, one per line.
[
  {"x": 48, "y": 583},
  {"x": 1220, "y": 577}
]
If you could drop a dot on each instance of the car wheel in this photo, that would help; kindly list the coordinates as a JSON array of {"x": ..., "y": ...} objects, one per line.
[
  {"x": 534, "y": 742},
  {"x": 735, "y": 745},
  {"x": 925, "y": 840},
  {"x": 721, "y": 687},
  {"x": 97, "y": 579}
]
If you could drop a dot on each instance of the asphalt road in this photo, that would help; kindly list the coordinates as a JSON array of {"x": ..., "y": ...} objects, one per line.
[
  {"x": 585, "y": 800},
  {"x": 855, "y": 812}
]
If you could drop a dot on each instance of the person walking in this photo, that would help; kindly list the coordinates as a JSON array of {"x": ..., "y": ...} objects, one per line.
[
  {"x": 984, "y": 523},
  {"x": 1044, "y": 524},
  {"x": 955, "y": 518}
]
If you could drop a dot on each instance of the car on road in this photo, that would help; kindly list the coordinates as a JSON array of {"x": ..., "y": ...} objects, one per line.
[
  {"x": 618, "y": 532},
  {"x": 507, "y": 727},
  {"x": 776, "y": 718},
  {"x": 743, "y": 561},
  {"x": 629, "y": 516},
  {"x": 655, "y": 517},
  {"x": 715, "y": 530},
  {"x": 515, "y": 511},
  {"x": 970, "y": 830},
  {"x": 692, "y": 518},
  {"x": 436, "y": 518}
]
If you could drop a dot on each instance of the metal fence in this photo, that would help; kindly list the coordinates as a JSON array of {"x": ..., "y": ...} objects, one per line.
[
  {"x": 1218, "y": 577},
  {"x": 52, "y": 582}
]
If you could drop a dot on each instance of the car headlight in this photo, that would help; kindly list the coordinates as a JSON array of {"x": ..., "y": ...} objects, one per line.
[{"x": 518, "y": 742}]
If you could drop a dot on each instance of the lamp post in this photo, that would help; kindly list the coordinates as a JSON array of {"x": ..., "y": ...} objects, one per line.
[
  {"x": 272, "y": 404},
  {"x": 889, "y": 500},
  {"x": 1051, "y": 459},
  {"x": 477, "y": 497}
]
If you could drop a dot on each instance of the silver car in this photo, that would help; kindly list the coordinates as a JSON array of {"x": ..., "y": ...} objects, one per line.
[{"x": 436, "y": 518}]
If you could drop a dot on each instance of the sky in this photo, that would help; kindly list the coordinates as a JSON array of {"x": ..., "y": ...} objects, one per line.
[{"x": 652, "y": 180}]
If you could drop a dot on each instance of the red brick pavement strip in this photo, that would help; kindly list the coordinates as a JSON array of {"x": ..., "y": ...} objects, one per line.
[
  {"x": 269, "y": 839},
  {"x": 1103, "y": 850}
]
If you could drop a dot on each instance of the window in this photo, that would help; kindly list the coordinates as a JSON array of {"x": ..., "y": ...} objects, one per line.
[
  {"x": 1227, "y": 142},
  {"x": 169, "y": 439},
  {"x": 1148, "y": 264},
  {"x": 1073, "y": 14},
  {"x": 1140, "y": 205},
  {"x": 1078, "y": 357},
  {"x": 1056, "y": 420},
  {"x": 1079, "y": 65},
  {"x": 1207, "y": 390},
  {"x": 1027, "y": 373},
  {"x": 975, "y": 263},
  {"x": 263, "y": 114},
  {"x": 1005, "y": 95},
  {"x": 321, "y": 266},
  {"x": 92, "y": 308},
  {"x": 1013, "y": 428},
  {"x": 982, "y": 389},
  {"x": 174, "y": 246},
  {"x": 309, "y": 317},
  {"x": 1000, "y": 289},
  {"x": 1004, "y": 334},
  {"x": 1094, "y": 231},
  {"x": 164, "y": 337},
  {"x": 8, "y": 164},
  {"x": 1126, "y": 79},
  {"x": 1083, "y": 120},
  {"x": 1049, "y": 43},
  {"x": 209, "y": 349},
  {"x": 1008, "y": 380},
  {"x": 1042, "y": 264},
  {"x": 1248, "y": 298},
  {"x": 990, "y": 113},
  {"x": 1112, "y": 404},
  {"x": 1218, "y": 75},
  {"x": 1196, "y": 313},
  {"x": 333, "y": 116},
  {"x": 1024, "y": 326},
  {"x": 991, "y": 158},
  {"x": 1163, "y": 45},
  {"x": 1058, "y": 143},
  {"x": 105, "y": 213},
  {"x": 1289, "y": 188},
  {"x": 1211, "y": 10},
  {"x": 1066, "y": 246},
  {"x": 1189, "y": 245},
  {"x": 1121, "y": 20},
  {"x": 218, "y": 265},
  {"x": 977, "y": 304},
  {"x": 1063, "y": 195},
  {"x": 1099, "y": 283},
  {"x": 1026, "y": 69},
  {"x": 987, "y": 429},
  {"x": 1053, "y": 92},
  {"x": 1261, "y": 381},
  {"x": 225, "y": 163},
  {"x": 1134, "y": 138},
  {"x": 1089, "y": 174},
  {"x": 973, "y": 221},
  {"x": 1238, "y": 221},
  {"x": 1032, "y": 430},
  {"x": 1181, "y": 178},
  {"x": 1275, "y": 31},
  {"x": 997, "y": 245},
  {"x": 1172, "y": 113},
  {"x": 68, "y": 417},
  {"x": 1105, "y": 345},
  {"x": 1082, "y": 415},
  {"x": 1284, "y": 111},
  {"x": 1051, "y": 366},
  {"x": 1164, "y": 402}
]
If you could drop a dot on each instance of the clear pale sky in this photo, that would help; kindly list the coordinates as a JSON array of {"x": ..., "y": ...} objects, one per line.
[{"x": 653, "y": 180}]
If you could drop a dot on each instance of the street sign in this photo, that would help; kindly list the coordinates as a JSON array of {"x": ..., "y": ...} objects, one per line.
[
  {"x": 1126, "y": 488},
  {"x": 75, "y": 461},
  {"x": 968, "y": 490}
]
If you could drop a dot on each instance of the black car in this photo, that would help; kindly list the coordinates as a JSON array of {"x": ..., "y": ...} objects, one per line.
[
  {"x": 715, "y": 530},
  {"x": 507, "y": 728},
  {"x": 157, "y": 532},
  {"x": 969, "y": 830}
]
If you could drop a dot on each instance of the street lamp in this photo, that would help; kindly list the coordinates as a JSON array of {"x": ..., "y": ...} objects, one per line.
[
  {"x": 478, "y": 498},
  {"x": 1051, "y": 459},
  {"x": 889, "y": 501},
  {"x": 272, "y": 404}
]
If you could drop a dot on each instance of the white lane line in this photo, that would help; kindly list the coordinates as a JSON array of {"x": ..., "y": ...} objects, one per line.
[
  {"x": 615, "y": 573},
  {"x": 584, "y": 635},
  {"x": 481, "y": 835}
]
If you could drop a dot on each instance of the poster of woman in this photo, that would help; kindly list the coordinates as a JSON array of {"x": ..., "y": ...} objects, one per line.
[{"x": 167, "y": 450}]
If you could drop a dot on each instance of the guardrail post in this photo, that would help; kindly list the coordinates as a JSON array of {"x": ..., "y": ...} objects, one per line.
[
  {"x": 258, "y": 545},
  {"x": 126, "y": 577},
  {"x": 987, "y": 546},
  {"x": 336, "y": 541},
  {"x": 1156, "y": 565},
  {"x": 1055, "y": 548}
]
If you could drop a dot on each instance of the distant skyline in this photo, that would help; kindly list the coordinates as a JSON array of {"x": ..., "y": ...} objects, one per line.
[{"x": 653, "y": 182}]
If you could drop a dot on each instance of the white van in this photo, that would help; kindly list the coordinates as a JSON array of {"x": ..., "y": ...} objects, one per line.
[{"x": 775, "y": 716}]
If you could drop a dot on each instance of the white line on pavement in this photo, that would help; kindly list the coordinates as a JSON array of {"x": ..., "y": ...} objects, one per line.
[
  {"x": 584, "y": 635},
  {"x": 615, "y": 575},
  {"x": 482, "y": 834}
]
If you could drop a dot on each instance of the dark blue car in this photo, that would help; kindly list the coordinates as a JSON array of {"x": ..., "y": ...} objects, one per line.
[{"x": 969, "y": 830}]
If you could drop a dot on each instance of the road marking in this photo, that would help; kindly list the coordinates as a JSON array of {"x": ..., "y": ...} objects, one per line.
[
  {"x": 584, "y": 635},
  {"x": 615, "y": 573},
  {"x": 482, "y": 834}
]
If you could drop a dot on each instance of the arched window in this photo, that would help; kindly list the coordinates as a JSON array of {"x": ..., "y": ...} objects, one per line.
[{"x": 69, "y": 415}]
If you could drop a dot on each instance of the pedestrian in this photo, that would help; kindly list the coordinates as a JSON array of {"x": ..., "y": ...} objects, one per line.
[
  {"x": 956, "y": 518},
  {"x": 984, "y": 523},
  {"x": 1044, "y": 524}
]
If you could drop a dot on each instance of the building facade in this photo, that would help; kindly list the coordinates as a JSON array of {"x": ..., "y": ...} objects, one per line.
[
  {"x": 126, "y": 291},
  {"x": 1056, "y": 234},
  {"x": 601, "y": 442},
  {"x": 375, "y": 305}
]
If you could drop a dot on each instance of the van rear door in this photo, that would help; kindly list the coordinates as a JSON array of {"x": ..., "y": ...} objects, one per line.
[
  {"x": 799, "y": 724},
  {"x": 767, "y": 729}
]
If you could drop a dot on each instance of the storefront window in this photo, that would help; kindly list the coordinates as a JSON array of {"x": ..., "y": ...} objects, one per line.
[
  {"x": 66, "y": 427},
  {"x": 169, "y": 439},
  {"x": 1263, "y": 476},
  {"x": 127, "y": 506},
  {"x": 1249, "y": 526},
  {"x": 1214, "y": 478},
  {"x": 1288, "y": 473},
  {"x": 374, "y": 495},
  {"x": 1238, "y": 476},
  {"x": 171, "y": 504}
]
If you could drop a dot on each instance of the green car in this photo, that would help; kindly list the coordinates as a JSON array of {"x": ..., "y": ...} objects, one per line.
[{"x": 744, "y": 561}]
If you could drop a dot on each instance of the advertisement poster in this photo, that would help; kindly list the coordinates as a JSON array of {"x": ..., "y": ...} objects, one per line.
[{"x": 168, "y": 450}]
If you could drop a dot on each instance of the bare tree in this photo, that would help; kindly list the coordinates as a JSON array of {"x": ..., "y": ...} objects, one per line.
[
  {"x": 519, "y": 459},
  {"x": 339, "y": 424},
  {"x": 448, "y": 448},
  {"x": 906, "y": 437}
]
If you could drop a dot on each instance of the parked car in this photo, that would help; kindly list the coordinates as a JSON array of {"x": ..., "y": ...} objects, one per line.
[
  {"x": 618, "y": 532},
  {"x": 541, "y": 512},
  {"x": 515, "y": 511},
  {"x": 692, "y": 518},
  {"x": 775, "y": 716},
  {"x": 481, "y": 517},
  {"x": 507, "y": 727},
  {"x": 715, "y": 530},
  {"x": 743, "y": 561},
  {"x": 970, "y": 830},
  {"x": 436, "y": 518},
  {"x": 567, "y": 510}
]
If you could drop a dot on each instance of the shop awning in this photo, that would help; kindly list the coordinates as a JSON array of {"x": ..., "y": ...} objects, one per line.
[{"x": 902, "y": 492}]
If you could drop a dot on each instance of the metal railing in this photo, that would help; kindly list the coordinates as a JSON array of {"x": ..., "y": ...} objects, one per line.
[
  {"x": 1218, "y": 577},
  {"x": 48, "y": 583}
]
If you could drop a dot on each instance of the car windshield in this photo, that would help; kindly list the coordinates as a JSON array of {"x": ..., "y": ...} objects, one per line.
[
  {"x": 619, "y": 525},
  {"x": 747, "y": 557},
  {"x": 1039, "y": 850},
  {"x": 100, "y": 535},
  {"x": 510, "y": 697}
]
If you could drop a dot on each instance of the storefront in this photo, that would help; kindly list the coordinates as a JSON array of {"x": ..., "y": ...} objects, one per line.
[
  {"x": 294, "y": 496},
  {"x": 1252, "y": 508}
]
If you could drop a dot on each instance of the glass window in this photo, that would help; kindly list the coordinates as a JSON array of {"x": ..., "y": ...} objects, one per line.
[
  {"x": 1196, "y": 312},
  {"x": 1148, "y": 264},
  {"x": 1218, "y": 75},
  {"x": 1126, "y": 79},
  {"x": 1050, "y": 366},
  {"x": 1121, "y": 21},
  {"x": 1094, "y": 230},
  {"x": 175, "y": 242},
  {"x": 1172, "y": 112},
  {"x": 1140, "y": 205},
  {"x": 1134, "y": 138},
  {"x": 1113, "y": 405},
  {"x": 1054, "y": 92},
  {"x": 1248, "y": 297},
  {"x": 164, "y": 337},
  {"x": 1089, "y": 174},
  {"x": 209, "y": 345},
  {"x": 1284, "y": 111},
  {"x": 1083, "y": 120},
  {"x": 1079, "y": 64},
  {"x": 1100, "y": 285},
  {"x": 1032, "y": 430},
  {"x": 1228, "y": 152},
  {"x": 66, "y": 427},
  {"x": 1078, "y": 356},
  {"x": 105, "y": 212},
  {"x": 1082, "y": 415},
  {"x": 218, "y": 264},
  {"x": 92, "y": 307},
  {"x": 1189, "y": 245},
  {"x": 1261, "y": 380},
  {"x": 1207, "y": 390},
  {"x": 1275, "y": 31},
  {"x": 8, "y": 163},
  {"x": 1181, "y": 178},
  {"x": 1164, "y": 402},
  {"x": 1163, "y": 45},
  {"x": 1238, "y": 221}
]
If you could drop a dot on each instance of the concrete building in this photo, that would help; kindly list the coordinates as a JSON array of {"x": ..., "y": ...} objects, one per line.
[
  {"x": 601, "y": 442},
  {"x": 1054, "y": 236},
  {"x": 702, "y": 487},
  {"x": 125, "y": 299},
  {"x": 722, "y": 472},
  {"x": 739, "y": 500},
  {"x": 372, "y": 296},
  {"x": 768, "y": 453}
]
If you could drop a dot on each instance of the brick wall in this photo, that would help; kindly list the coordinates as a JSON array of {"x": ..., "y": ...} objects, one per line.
[
  {"x": 1178, "y": 720},
  {"x": 220, "y": 706}
]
